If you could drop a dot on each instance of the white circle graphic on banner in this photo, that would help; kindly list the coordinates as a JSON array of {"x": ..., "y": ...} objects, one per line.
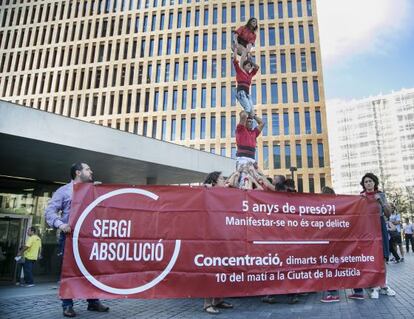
[{"x": 86, "y": 273}]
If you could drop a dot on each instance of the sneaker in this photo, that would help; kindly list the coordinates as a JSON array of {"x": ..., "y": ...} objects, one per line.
[
  {"x": 69, "y": 312},
  {"x": 374, "y": 293},
  {"x": 356, "y": 296},
  {"x": 29, "y": 285},
  {"x": 330, "y": 298},
  {"x": 97, "y": 306},
  {"x": 387, "y": 291},
  {"x": 402, "y": 259}
]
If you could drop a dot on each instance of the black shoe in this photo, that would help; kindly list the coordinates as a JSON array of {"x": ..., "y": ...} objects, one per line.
[
  {"x": 97, "y": 306},
  {"x": 69, "y": 312}
]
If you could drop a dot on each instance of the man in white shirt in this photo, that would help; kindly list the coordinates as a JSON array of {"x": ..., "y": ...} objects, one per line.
[{"x": 408, "y": 235}]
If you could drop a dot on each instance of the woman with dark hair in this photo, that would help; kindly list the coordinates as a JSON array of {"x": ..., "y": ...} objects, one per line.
[
  {"x": 369, "y": 183},
  {"x": 245, "y": 37},
  {"x": 212, "y": 305}
]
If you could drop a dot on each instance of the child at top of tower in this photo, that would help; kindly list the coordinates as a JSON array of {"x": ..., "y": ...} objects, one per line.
[
  {"x": 245, "y": 37},
  {"x": 244, "y": 76}
]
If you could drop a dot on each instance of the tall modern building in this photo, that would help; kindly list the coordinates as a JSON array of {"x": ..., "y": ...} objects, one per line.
[
  {"x": 376, "y": 135},
  {"x": 163, "y": 69}
]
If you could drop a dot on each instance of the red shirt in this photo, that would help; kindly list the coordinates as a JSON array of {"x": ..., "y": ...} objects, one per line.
[
  {"x": 247, "y": 35},
  {"x": 243, "y": 78},
  {"x": 246, "y": 141}
]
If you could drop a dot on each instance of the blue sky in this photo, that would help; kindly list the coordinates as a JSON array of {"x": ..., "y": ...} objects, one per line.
[{"x": 367, "y": 47}]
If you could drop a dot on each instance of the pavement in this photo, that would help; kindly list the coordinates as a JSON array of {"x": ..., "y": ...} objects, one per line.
[{"x": 41, "y": 301}]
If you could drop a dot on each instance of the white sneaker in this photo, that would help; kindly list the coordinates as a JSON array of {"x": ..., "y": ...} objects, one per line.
[
  {"x": 374, "y": 294},
  {"x": 387, "y": 291}
]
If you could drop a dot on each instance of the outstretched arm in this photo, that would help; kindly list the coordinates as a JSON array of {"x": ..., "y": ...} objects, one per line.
[{"x": 260, "y": 123}]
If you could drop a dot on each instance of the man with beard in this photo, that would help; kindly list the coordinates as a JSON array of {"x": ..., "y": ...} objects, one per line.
[{"x": 61, "y": 202}]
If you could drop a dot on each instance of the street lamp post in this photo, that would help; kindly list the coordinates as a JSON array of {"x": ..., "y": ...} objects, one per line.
[{"x": 292, "y": 170}]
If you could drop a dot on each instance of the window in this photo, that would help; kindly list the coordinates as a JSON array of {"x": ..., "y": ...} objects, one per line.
[
  {"x": 173, "y": 129},
  {"x": 265, "y": 128},
  {"x": 223, "y": 96},
  {"x": 299, "y": 6},
  {"x": 194, "y": 98},
  {"x": 313, "y": 61},
  {"x": 272, "y": 36},
  {"x": 158, "y": 73},
  {"x": 298, "y": 155},
  {"x": 274, "y": 93},
  {"x": 271, "y": 10},
  {"x": 179, "y": 16},
  {"x": 275, "y": 124},
  {"x": 182, "y": 135},
  {"x": 303, "y": 61},
  {"x": 315, "y": 90},
  {"x": 215, "y": 15},
  {"x": 284, "y": 92},
  {"x": 261, "y": 11},
  {"x": 162, "y": 20},
  {"x": 151, "y": 48},
  {"x": 264, "y": 93},
  {"x": 262, "y": 37},
  {"x": 233, "y": 95},
  {"x": 213, "y": 127},
  {"x": 203, "y": 97},
  {"x": 309, "y": 154},
  {"x": 309, "y": 8},
  {"x": 195, "y": 43},
  {"x": 283, "y": 62},
  {"x": 213, "y": 68},
  {"x": 169, "y": 45},
  {"x": 293, "y": 62},
  {"x": 272, "y": 63},
  {"x": 188, "y": 18},
  {"x": 153, "y": 23},
  {"x": 177, "y": 44},
  {"x": 197, "y": 18},
  {"x": 233, "y": 125},
  {"x": 281, "y": 35},
  {"x": 291, "y": 35},
  {"x": 145, "y": 24},
  {"x": 251, "y": 9},
  {"x": 286, "y": 123},
  {"x": 311, "y": 34},
  {"x": 308, "y": 128},
  {"x": 253, "y": 93},
  {"x": 300, "y": 184},
  {"x": 321, "y": 155},
  {"x": 204, "y": 69},
  {"x": 297, "y": 123},
  {"x": 213, "y": 97},
  {"x": 223, "y": 40},
  {"x": 164, "y": 130},
  {"x": 287, "y": 155},
  {"x": 224, "y": 14},
  {"x": 167, "y": 72},
  {"x": 295, "y": 91},
  {"x": 193, "y": 125},
  {"x": 203, "y": 128},
  {"x": 263, "y": 64},
  {"x": 165, "y": 100},
  {"x": 187, "y": 43},
  {"x": 276, "y": 156},
  {"x": 170, "y": 20},
  {"x": 214, "y": 41},
  {"x": 184, "y": 100},
  {"x": 311, "y": 184},
  {"x": 322, "y": 181},
  {"x": 280, "y": 9},
  {"x": 156, "y": 100},
  {"x": 185, "y": 71},
  {"x": 318, "y": 121},
  {"x": 305, "y": 91},
  {"x": 223, "y": 67},
  {"x": 301, "y": 35},
  {"x": 176, "y": 66},
  {"x": 205, "y": 16},
  {"x": 195, "y": 66},
  {"x": 242, "y": 12},
  {"x": 265, "y": 156},
  {"x": 233, "y": 14},
  {"x": 223, "y": 126},
  {"x": 205, "y": 41},
  {"x": 160, "y": 46},
  {"x": 290, "y": 9}
]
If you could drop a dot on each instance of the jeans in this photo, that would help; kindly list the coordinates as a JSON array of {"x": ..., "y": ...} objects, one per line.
[
  {"x": 245, "y": 101},
  {"x": 408, "y": 240},
  {"x": 69, "y": 302},
  {"x": 28, "y": 271}
]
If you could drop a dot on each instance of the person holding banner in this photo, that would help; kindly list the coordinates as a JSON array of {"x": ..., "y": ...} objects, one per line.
[
  {"x": 369, "y": 183},
  {"x": 61, "y": 202},
  {"x": 211, "y": 305}
]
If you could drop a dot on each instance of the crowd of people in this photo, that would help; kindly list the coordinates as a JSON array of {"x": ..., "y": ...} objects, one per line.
[{"x": 246, "y": 176}]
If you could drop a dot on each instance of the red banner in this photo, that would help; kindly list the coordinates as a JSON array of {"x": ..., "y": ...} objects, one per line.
[{"x": 170, "y": 241}]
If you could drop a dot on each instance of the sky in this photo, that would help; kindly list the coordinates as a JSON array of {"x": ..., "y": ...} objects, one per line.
[{"x": 367, "y": 47}]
